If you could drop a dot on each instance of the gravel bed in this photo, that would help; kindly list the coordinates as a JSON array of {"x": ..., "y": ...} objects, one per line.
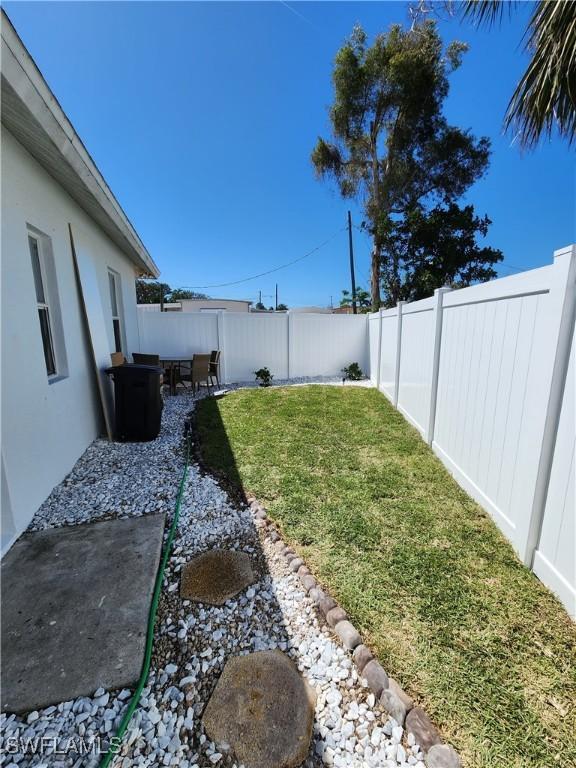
[
  {"x": 303, "y": 381},
  {"x": 192, "y": 640},
  {"x": 118, "y": 480}
]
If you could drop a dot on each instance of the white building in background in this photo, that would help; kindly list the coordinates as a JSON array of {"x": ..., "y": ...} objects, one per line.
[
  {"x": 215, "y": 305},
  {"x": 312, "y": 310},
  {"x": 169, "y": 306},
  {"x": 200, "y": 305},
  {"x": 51, "y": 411}
]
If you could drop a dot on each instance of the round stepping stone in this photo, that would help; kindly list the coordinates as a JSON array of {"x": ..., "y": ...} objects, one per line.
[
  {"x": 215, "y": 576},
  {"x": 263, "y": 709}
]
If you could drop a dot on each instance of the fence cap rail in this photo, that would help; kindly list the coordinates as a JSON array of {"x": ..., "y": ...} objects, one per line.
[{"x": 533, "y": 281}]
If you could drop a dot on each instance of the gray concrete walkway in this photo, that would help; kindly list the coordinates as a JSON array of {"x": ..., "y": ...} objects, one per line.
[{"x": 75, "y": 603}]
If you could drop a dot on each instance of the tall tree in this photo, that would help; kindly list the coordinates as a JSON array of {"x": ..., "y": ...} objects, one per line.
[{"x": 391, "y": 144}]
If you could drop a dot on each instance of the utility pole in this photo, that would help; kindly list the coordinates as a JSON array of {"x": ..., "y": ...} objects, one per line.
[
  {"x": 161, "y": 297},
  {"x": 259, "y": 297},
  {"x": 352, "y": 278},
  {"x": 276, "y": 297}
]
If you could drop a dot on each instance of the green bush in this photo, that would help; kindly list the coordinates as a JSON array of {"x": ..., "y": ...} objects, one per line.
[
  {"x": 353, "y": 372},
  {"x": 264, "y": 376}
]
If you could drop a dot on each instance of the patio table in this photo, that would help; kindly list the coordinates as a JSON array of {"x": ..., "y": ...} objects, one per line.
[{"x": 171, "y": 364}]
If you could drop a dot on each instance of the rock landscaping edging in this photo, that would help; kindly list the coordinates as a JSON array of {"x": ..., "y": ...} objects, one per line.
[
  {"x": 393, "y": 699},
  {"x": 193, "y": 641}
]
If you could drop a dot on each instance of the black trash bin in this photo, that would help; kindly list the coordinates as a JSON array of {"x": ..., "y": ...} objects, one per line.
[{"x": 138, "y": 401}]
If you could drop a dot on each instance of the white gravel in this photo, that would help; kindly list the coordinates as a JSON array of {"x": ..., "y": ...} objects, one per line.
[{"x": 192, "y": 640}]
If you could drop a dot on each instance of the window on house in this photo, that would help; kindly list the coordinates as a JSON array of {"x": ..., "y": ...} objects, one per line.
[
  {"x": 116, "y": 305},
  {"x": 41, "y": 284}
]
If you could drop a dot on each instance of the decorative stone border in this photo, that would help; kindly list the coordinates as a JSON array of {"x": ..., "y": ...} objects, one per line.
[{"x": 388, "y": 692}]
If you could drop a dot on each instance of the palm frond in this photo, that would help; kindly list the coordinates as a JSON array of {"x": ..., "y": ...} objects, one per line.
[
  {"x": 545, "y": 97},
  {"x": 487, "y": 11}
]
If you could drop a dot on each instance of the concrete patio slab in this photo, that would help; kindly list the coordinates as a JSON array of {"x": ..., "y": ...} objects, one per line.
[{"x": 75, "y": 603}]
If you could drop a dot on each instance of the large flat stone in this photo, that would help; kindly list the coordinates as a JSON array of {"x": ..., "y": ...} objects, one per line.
[
  {"x": 263, "y": 709},
  {"x": 215, "y": 576},
  {"x": 75, "y": 603}
]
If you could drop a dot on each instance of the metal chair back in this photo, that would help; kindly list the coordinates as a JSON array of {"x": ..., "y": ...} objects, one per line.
[{"x": 215, "y": 365}]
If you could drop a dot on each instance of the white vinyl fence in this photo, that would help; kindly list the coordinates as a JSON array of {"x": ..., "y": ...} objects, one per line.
[
  {"x": 290, "y": 345},
  {"x": 486, "y": 374}
]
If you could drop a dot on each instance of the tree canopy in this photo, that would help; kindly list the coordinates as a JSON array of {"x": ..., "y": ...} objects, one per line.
[
  {"x": 391, "y": 146},
  {"x": 177, "y": 294},
  {"x": 363, "y": 300},
  {"x": 153, "y": 292},
  {"x": 438, "y": 248}
]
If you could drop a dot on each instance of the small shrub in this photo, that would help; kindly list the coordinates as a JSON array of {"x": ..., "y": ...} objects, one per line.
[
  {"x": 353, "y": 372},
  {"x": 264, "y": 376}
]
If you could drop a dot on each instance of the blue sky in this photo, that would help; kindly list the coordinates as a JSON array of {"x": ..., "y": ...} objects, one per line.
[{"x": 202, "y": 116}]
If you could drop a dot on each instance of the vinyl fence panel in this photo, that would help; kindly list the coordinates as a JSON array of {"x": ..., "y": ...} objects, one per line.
[
  {"x": 177, "y": 333},
  {"x": 253, "y": 341},
  {"x": 388, "y": 350},
  {"x": 321, "y": 345},
  {"x": 416, "y": 358},
  {"x": 374, "y": 346},
  {"x": 555, "y": 559},
  {"x": 492, "y": 391}
]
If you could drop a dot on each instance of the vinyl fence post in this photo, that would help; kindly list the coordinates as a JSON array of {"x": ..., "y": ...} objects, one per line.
[
  {"x": 438, "y": 318},
  {"x": 563, "y": 298},
  {"x": 220, "y": 335},
  {"x": 288, "y": 324},
  {"x": 379, "y": 348},
  {"x": 398, "y": 353}
]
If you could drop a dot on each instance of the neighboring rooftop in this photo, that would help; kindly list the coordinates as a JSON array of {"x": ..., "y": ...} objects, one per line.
[
  {"x": 31, "y": 112},
  {"x": 216, "y": 298}
]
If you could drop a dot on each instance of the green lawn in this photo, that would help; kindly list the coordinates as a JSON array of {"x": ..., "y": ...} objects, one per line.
[{"x": 424, "y": 574}]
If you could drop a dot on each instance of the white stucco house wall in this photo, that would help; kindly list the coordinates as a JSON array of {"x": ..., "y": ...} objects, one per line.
[{"x": 50, "y": 408}]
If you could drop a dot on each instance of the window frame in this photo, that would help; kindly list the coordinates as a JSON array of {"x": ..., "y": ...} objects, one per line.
[
  {"x": 47, "y": 305},
  {"x": 115, "y": 293}
]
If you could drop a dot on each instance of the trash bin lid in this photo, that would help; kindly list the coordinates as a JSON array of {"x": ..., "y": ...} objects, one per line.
[{"x": 127, "y": 369}]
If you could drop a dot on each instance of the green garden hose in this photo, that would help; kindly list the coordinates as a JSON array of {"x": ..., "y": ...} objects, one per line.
[{"x": 117, "y": 739}]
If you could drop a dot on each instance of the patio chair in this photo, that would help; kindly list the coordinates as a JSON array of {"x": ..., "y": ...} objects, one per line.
[
  {"x": 215, "y": 366},
  {"x": 117, "y": 358},
  {"x": 142, "y": 359},
  {"x": 198, "y": 372}
]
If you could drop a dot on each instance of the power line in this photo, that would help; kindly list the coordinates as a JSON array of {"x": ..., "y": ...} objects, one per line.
[{"x": 269, "y": 271}]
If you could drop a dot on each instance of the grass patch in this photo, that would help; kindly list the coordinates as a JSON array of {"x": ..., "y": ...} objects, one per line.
[{"x": 423, "y": 572}]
